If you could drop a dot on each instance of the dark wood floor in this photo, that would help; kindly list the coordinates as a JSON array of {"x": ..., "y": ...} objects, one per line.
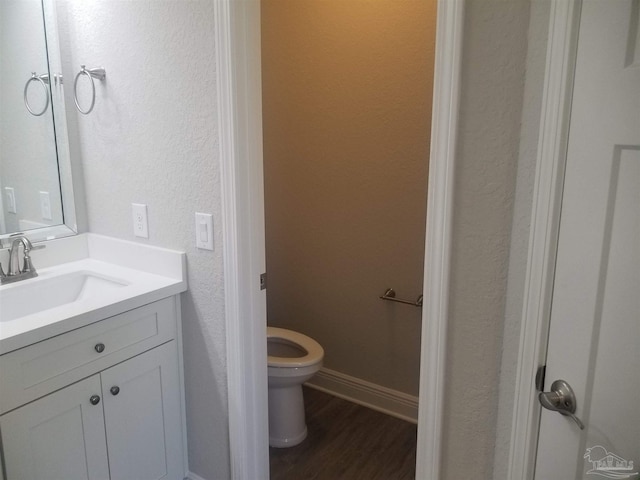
[{"x": 347, "y": 442}]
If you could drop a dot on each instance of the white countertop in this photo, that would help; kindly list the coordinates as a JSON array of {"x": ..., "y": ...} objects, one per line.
[{"x": 143, "y": 274}]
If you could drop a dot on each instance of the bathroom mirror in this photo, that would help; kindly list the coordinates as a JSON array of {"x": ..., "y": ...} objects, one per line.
[{"x": 35, "y": 170}]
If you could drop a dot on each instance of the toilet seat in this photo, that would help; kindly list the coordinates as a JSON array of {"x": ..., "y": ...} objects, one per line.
[{"x": 314, "y": 354}]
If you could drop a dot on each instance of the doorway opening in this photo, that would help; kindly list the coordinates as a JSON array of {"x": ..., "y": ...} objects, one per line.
[{"x": 346, "y": 92}]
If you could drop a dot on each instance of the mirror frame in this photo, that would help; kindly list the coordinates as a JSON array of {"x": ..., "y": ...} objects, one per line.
[{"x": 66, "y": 171}]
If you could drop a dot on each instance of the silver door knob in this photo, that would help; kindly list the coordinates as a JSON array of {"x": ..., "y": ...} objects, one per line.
[{"x": 561, "y": 399}]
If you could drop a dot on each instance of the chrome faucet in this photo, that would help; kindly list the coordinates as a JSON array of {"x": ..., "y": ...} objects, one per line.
[{"x": 14, "y": 272}]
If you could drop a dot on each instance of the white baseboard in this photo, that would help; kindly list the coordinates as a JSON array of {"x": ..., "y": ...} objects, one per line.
[{"x": 376, "y": 397}]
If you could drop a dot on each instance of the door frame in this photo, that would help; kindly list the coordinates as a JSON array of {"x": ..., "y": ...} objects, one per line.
[
  {"x": 543, "y": 237},
  {"x": 237, "y": 30},
  {"x": 239, "y": 96}
]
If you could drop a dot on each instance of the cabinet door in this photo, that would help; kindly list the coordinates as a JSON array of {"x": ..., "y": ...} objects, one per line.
[
  {"x": 142, "y": 416},
  {"x": 59, "y": 437}
]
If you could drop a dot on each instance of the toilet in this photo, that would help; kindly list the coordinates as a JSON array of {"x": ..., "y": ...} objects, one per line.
[{"x": 293, "y": 358}]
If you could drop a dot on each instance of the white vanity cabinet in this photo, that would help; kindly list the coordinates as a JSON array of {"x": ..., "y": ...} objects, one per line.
[
  {"x": 100, "y": 402},
  {"x": 142, "y": 416},
  {"x": 59, "y": 436}
]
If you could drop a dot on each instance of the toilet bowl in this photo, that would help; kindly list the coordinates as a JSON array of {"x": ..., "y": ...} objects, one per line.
[{"x": 293, "y": 358}]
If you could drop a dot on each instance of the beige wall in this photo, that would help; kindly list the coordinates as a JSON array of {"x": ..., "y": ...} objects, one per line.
[{"x": 347, "y": 106}]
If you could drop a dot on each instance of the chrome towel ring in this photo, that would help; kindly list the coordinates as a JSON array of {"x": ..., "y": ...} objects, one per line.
[
  {"x": 92, "y": 73},
  {"x": 44, "y": 81}
]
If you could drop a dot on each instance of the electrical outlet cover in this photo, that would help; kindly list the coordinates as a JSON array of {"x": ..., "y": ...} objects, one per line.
[{"x": 140, "y": 221}]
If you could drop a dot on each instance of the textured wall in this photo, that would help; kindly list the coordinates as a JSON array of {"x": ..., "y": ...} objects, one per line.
[
  {"x": 152, "y": 139},
  {"x": 28, "y": 161},
  {"x": 493, "y": 68},
  {"x": 535, "y": 66},
  {"x": 347, "y": 91}
]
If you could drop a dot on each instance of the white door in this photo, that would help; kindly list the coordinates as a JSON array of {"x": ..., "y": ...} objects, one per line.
[
  {"x": 594, "y": 342},
  {"x": 59, "y": 437},
  {"x": 142, "y": 416}
]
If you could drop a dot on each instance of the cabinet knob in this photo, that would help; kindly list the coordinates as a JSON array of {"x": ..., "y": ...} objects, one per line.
[
  {"x": 94, "y": 400},
  {"x": 99, "y": 347},
  {"x": 114, "y": 390}
]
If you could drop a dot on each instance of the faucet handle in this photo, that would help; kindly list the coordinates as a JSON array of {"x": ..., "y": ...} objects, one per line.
[{"x": 27, "y": 265}]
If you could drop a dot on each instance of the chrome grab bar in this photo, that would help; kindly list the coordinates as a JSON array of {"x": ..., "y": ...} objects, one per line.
[{"x": 390, "y": 295}]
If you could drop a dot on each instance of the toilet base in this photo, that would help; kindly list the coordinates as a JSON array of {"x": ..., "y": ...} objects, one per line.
[
  {"x": 287, "y": 425},
  {"x": 289, "y": 442}
]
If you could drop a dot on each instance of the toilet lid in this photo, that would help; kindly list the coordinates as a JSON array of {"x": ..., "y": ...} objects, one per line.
[{"x": 314, "y": 354}]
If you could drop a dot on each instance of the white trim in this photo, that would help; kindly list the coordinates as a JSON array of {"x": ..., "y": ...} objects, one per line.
[
  {"x": 240, "y": 147},
  {"x": 449, "y": 34},
  {"x": 371, "y": 395},
  {"x": 547, "y": 197}
]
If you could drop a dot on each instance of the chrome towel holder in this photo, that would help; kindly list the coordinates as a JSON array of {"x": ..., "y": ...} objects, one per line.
[
  {"x": 44, "y": 81},
  {"x": 99, "y": 73},
  {"x": 390, "y": 295}
]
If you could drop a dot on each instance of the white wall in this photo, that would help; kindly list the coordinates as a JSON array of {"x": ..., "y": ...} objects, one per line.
[
  {"x": 493, "y": 69},
  {"x": 535, "y": 69},
  {"x": 152, "y": 139}
]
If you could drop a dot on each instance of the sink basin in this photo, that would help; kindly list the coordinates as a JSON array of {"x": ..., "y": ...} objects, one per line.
[
  {"x": 40, "y": 294},
  {"x": 81, "y": 280}
]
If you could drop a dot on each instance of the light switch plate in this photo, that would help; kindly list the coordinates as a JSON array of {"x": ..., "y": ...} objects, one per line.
[
  {"x": 204, "y": 231},
  {"x": 10, "y": 196},
  {"x": 140, "y": 221}
]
